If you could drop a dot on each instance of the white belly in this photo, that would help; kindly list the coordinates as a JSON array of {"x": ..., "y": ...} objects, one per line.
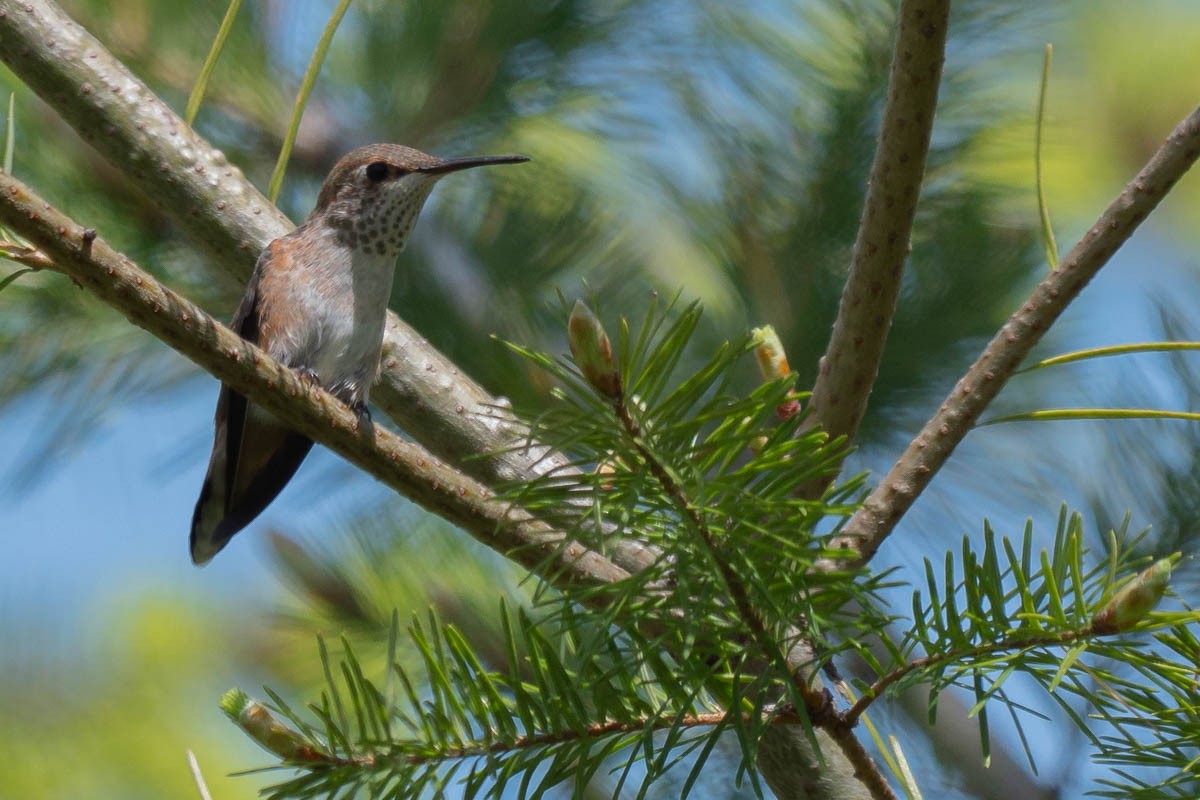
[{"x": 347, "y": 310}]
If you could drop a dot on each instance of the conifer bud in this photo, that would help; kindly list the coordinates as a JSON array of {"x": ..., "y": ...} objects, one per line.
[
  {"x": 606, "y": 469},
  {"x": 261, "y": 725},
  {"x": 1130, "y": 606},
  {"x": 768, "y": 349},
  {"x": 773, "y": 364},
  {"x": 592, "y": 351}
]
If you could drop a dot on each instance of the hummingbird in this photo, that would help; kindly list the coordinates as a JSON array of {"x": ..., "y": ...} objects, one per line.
[{"x": 317, "y": 302}]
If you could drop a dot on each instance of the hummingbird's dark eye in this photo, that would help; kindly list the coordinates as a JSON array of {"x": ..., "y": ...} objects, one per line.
[{"x": 377, "y": 171}]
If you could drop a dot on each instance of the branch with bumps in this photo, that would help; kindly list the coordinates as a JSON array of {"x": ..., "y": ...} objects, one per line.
[
  {"x": 926, "y": 454},
  {"x": 851, "y": 362}
]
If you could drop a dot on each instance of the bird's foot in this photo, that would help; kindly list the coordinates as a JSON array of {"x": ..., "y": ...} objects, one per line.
[
  {"x": 308, "y": 375},
  {"x": 362, "y": 412}
]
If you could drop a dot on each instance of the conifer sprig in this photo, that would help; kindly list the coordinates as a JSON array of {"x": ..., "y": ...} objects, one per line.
[{"x": 639, "y": 676}]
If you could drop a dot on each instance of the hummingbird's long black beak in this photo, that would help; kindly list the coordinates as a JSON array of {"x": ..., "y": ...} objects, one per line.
[{"x": 455, "y": 164}]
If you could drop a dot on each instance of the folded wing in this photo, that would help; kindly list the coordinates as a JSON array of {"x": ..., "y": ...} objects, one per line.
[{"x": 253, "y": 456}]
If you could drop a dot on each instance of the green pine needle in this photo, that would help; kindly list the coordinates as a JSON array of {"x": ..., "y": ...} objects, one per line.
[
  {"x": 306, "y": 87},
  {"x": 1048, "y": 241},
  {"x": 1049, "y": 414},
  {"x": 210, "y": 62},
  {"x": 7, "y": 280},
  {"x": 10, "y": 133},
  {"x": 1112, "y": 350}
]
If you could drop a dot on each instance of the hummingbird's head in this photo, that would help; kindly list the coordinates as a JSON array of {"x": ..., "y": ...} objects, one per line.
[{"x": 374, "y": 194}]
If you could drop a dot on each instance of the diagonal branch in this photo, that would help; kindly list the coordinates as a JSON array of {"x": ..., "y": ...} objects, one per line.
[
  {"x": 926, "y": 454},
  {"x": 407, "y": 467},
  {"x": 209, "y": 198},
  {"x": 851, "y": 361}
]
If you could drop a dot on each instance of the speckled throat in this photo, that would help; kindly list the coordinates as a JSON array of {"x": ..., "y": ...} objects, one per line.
[
  {"x": 373, "y": 195},
  {"x": 379, "y": 222}
]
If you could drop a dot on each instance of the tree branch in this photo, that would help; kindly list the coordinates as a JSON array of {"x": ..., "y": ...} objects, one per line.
[
  {"x": 817, "y": 702},
  {"x": 278, "y": 737},
  {"x": 954, "y": 735},
  {"x": 1017, "y": 643},
  {"x": 209, "y": 198},
  {"x": 851, "y": 362},
  {"x": 402, "y": 465},
  {"x": 926, "y": 454},
  {"x": 836, "y": 769}
]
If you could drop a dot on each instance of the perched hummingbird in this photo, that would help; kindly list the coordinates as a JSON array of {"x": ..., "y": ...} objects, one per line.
[{"x": 316, "y": 301}]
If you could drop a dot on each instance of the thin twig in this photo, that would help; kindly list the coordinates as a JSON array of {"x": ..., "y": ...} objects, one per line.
[
  {"x": 865, "y": 768},
  {"x": 500, "y": 746},
  {"x": 926, "y": 454},
  {"x": 198, "y": 776},
  {"x": 850, "y": 716},
  {"x": 592, "y": 731},
  {"x": 733, "y": 582}
]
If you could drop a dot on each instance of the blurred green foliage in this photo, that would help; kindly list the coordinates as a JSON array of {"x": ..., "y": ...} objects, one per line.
[{"x": 113, "y": 715}]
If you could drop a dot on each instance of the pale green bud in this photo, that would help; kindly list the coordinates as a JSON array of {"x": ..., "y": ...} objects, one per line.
[
  {"x": 592, "y": 350},
  {"x": 1130, "y": 606}
]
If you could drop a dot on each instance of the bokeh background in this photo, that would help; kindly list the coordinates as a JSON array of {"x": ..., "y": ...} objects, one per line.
[{"x": 715, "y": 148}]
